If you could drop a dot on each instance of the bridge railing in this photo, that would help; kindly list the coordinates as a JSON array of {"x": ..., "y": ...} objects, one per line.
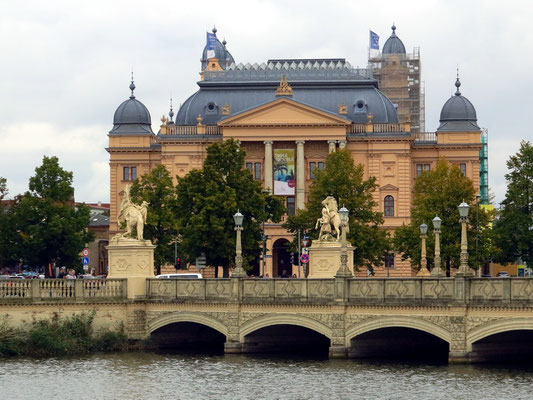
[
  {"x": 355, "y": 290},
  {"x": 74, "y": 289}
]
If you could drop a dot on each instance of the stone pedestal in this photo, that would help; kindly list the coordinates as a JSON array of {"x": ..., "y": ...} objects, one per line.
[
  {"x": 134, "y": 260},
  {"x": 325, "y": 259}
]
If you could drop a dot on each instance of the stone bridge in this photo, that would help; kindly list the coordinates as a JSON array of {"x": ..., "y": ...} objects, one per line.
[{"x": 469, "y": 319}]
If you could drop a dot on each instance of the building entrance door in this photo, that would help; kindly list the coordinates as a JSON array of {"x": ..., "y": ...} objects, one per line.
[{"x": 281, "y": 258}]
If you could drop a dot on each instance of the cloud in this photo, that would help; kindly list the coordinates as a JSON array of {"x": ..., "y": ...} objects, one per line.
[{"x": 65, "y": 65}]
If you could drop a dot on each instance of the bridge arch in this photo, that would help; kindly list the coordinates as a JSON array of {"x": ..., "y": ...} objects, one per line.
[
  {"x": 397, "y": 322},
  {"x": 187, "y": 316},
  {"x": 495, "y": 327},
  {"x": 284, "y": 319}
]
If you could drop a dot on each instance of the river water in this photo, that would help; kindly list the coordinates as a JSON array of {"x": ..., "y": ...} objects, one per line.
[{"x": 170, "y": 376}]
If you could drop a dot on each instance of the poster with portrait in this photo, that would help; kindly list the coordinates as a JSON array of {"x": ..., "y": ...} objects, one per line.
[{"x": 284, "y": 176}]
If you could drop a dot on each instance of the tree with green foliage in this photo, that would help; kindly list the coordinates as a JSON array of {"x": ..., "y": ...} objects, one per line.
[
  {"x": 45, "y": 225},
  {"x": 438, "y": 193},
  {"x": 157, "y": 188},
  {"x": 5, "y": 257},
  {"x": 344, "y": 180},
  {"x": 208, "y": 199},
  {"x": 514, "y": 228}
]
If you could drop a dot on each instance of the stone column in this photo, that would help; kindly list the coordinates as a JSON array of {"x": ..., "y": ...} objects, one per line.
[
  {"x": 268, "y": 167},
  {"x": 331, "y": 144},
  {"x": 300, "y": 175},
  {"x": 342, "y": 144}
]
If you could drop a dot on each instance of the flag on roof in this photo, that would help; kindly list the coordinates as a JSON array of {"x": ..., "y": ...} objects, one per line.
[
  {"x": 210, "y": 45},
  {"x": 374, "y": 41}
]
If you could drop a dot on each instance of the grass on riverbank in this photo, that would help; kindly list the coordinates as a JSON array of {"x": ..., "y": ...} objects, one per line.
[{"x": 59, "y": 337}]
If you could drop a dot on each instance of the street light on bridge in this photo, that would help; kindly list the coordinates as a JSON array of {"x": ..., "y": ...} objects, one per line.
[
  {"x": 437, "y": 270},
  {"x": 464, "y": 270},
  {"x": 343, "y": 270},
  {"x": 423, "y": 261},
  {"x": 238, "y": 271}
]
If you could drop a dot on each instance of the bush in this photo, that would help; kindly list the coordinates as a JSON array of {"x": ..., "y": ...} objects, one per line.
[
  {"x": 12, "y": 341},
  {"x": 59, "y": 337}
]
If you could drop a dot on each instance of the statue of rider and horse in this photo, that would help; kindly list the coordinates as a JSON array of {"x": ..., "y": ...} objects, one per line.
[
  {"x": 133, "y": 215},
  {"x": 330, "y": 218}
]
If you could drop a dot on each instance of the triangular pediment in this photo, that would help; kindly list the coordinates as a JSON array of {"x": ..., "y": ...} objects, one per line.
[
  {"x": 389, "y": 188},
  {"x": 284, "y": 112}
]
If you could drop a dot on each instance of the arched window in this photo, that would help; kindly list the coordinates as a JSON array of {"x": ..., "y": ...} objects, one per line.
[{"x": 389, "y": 206}]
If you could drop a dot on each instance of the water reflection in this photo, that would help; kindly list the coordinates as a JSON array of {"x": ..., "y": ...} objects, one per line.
[{"x": 182, "y": 376}]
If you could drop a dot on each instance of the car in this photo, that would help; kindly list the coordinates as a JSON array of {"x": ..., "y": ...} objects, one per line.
[
  {"x": 486, "y": 276},
  {"x": 180, "y": 276},
  {"x": 503, "y": 274}
]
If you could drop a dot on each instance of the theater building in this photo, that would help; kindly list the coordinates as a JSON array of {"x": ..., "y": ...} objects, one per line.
[{"x": 289, "y": 114}]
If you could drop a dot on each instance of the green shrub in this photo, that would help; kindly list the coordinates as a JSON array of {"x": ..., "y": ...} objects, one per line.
[
  {"x": 59, "y": 337},
  {"x": 12, "y": 341}
]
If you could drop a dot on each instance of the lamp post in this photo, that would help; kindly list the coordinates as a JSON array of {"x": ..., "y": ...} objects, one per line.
[
  {"x": 437, "y": 271},
  {"x": 343, "y": 271},
  {"x": 238, "y": 271},
  {"x": 423, "y": 261},
  {"x": 464, "y": 270}
]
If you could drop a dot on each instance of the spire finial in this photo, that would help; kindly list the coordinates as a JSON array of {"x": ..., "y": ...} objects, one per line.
[
  {"x": 393, "y": 27},
  {"x": 457, "y": 83},
  {"x": 214, "y": 29},
  {"x": 171, "y": 112},
  {"x": 132, "y": 86},
  {"x": 224, "y": 42}
]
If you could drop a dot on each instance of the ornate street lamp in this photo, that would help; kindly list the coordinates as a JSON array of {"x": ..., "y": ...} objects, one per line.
[
  {"x": 464, "y": 270},
  {"x": 238, "y": 271},
  {"x": 423, "y": 261},
  {"x": 343, "y": 271},
  {"x": 437, "y": 270}
]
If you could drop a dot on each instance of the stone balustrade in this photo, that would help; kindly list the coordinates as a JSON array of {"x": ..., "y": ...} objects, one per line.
[
  {"x": 36, "y": 290},
  {"x": 352, "y": 291}
]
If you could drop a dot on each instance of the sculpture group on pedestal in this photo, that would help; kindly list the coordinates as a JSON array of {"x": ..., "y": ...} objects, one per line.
[
  {"x": 330, "y": 217},
  {"x": 330, "y": 253},
  {"x": 133, "y": 215}
]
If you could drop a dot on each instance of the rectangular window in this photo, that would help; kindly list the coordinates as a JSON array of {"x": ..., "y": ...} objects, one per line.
[
  {"x": 312, "y": 167},
  {"x": 133, "y": 173},
  {"x": 257, "y": 171},
  {"x": 290, "y": 206},
  {"x": 389, "y": 261},
  {"x": 462, "y": 166},
  {"x": 421, "y": 168},
  {"x": 320, "y": 165},
  {"x": 249, "y": 167},
  {"x": 126, "y": 174}
]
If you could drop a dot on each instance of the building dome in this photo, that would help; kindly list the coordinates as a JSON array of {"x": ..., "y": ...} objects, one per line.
[
  {"x": 393, "y": 45},
  {"x": 458, "y": 113},
  {"x": 132, "y": 117},
  {"x": 222, "y": 54}
]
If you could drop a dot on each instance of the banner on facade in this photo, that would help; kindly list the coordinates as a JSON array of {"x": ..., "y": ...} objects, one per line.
[
  {"x": 210, "y": 45},
  {"x": 284, "y": 176}
]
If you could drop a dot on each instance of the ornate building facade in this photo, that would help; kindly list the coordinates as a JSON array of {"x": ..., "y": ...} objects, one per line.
[{"x": 289, "y": 114}]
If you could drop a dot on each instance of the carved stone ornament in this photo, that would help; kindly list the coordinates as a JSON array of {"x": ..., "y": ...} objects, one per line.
[
  {"x": 343, "y": 109},
  {"x": 284, "y": 89},
  {"x": 226, "y": 109}
]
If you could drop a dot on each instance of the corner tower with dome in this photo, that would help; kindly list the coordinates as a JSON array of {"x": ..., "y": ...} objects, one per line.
[{"x": 295, "y": 112}]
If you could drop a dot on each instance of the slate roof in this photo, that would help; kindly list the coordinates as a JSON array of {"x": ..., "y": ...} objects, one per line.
[{"x": 321, "y": 83}]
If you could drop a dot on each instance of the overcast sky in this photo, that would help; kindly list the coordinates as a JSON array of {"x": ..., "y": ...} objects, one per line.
[{"x": 65, "y": 66}]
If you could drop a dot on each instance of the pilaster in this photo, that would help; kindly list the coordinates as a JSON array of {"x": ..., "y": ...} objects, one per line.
[
  {"x": 269, "y": 173},
  {"x": 300, "y": 175}
]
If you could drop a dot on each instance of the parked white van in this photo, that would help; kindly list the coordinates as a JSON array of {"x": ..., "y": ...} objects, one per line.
[{"x": 180, "y": 276}]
